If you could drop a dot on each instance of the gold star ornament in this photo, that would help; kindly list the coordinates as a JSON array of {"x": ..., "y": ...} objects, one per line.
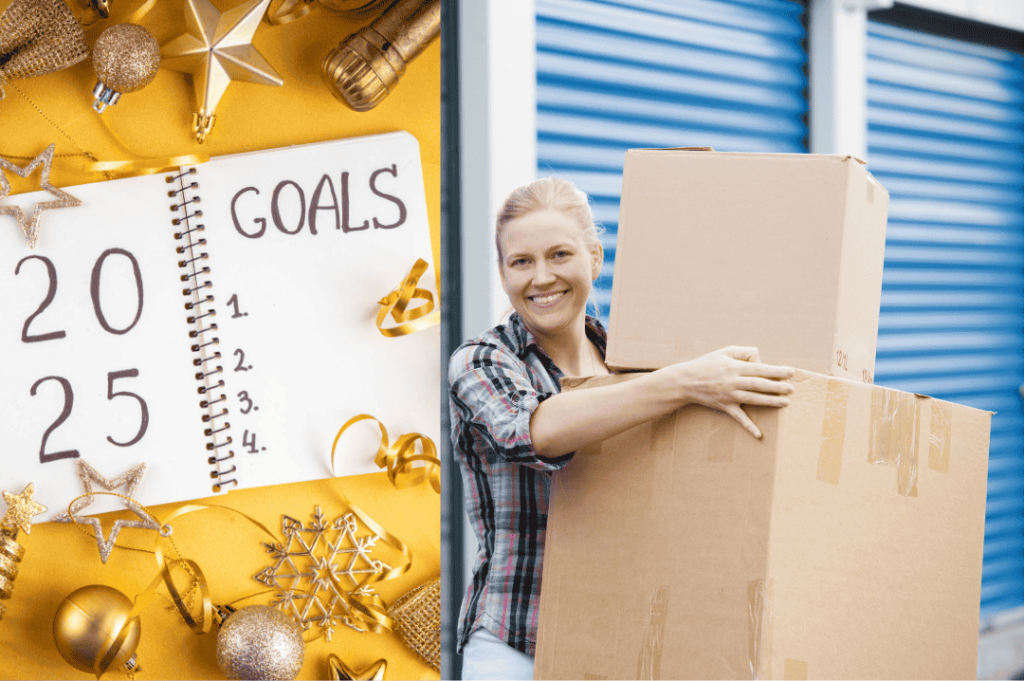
[
  {"x": 339, "y": 671},
  {"x": 20, "y": 509},
  {"x": 217, "y": 49},
  {"x": 30, "y": 227}
]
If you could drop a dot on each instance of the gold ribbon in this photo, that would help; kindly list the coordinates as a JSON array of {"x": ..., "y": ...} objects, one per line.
[
  {"x": 38, "y": 37},
  {"x": 396, "y": 302},
  {"x": 400, "y": 457},
  {"x": 142, "y": 165},
  {"x": 289, "y": 11}
]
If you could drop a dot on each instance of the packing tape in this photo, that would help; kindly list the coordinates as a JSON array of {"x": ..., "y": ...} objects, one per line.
[
  {"x": 722, "y": 439},
  {"x": 759, "y": 595},
  {"x": 833, "y": 432},
  {"x": 940, "y": 435},
  {"x": 794, "y": 669},
  {"x": 893, "y": 439},
  {"x": 649, "y": 665}
]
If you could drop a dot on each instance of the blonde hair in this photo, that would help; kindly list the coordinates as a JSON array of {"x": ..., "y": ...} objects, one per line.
[{"x": 550, "y": 193}]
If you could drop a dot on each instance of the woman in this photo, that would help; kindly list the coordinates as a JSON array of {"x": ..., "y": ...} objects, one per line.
[{"x": 512, "y": 427}]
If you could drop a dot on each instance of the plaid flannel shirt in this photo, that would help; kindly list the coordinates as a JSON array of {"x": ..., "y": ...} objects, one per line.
[{"x": 496, "y": 383}]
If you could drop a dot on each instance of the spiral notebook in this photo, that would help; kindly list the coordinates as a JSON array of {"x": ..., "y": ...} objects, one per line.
[{"x": 216, "y": 323}]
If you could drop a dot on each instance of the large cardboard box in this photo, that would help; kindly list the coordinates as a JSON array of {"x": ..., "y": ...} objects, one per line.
[
  {"x": 778, "y": 251},
  {"x": 846, "y": 544}
]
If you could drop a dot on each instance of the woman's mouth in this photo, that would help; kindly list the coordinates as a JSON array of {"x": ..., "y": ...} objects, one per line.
[{"x": 547, "y": 298}]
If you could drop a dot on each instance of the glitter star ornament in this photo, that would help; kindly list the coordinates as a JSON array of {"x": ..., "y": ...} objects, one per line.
[
  {"x": 217, "y": 49},
  {"x": 340, "y": 548},
  {"x": 339, "y": 671},
  {"x": 30, "y": 227},
  {"x": 130, "y": 481},
  {"x": 20, "y": 509}
]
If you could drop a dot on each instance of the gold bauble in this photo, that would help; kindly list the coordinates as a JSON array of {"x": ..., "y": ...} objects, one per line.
[
  {"x": 126, "y": 58},
  {"x": 88, "y": 622},
  {"x": 260, "y": 642}
]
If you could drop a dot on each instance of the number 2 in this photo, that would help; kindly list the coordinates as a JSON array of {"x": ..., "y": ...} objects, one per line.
[
  {"x": 69, "y": 401},
  {"x": 50, "y": 293}
]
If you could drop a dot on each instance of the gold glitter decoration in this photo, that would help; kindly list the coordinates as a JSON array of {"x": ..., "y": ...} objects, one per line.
[
  {"x": 88, "y": 475},
  {"x": 260, "y": 642},
  {"x": 11, "y": 553},
  {"x": 339, "y": 671},
  {"x": 89, "y": 622},
  {"x": 217, "y": 49},
  {"x": 310, "y": 555},
  {"x": 30, "y": 228},
  {"x": 20, "y": 509},
  {"x": 38, "y": 37},
  {"x": 126, "y": 58},
  {"x": 417, "y": 617},
  {"x": 131, "y": 481}
]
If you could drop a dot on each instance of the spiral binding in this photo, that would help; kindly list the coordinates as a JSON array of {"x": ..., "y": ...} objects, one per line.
[{"x": 201, "y": 313}]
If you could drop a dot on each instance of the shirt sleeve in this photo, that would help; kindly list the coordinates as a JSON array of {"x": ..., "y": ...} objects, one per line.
[{"x": 491, "y": 393}]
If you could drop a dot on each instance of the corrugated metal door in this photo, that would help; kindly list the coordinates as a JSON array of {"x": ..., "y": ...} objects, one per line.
[
  {"x": 946, "y": 138},
  {"x": 614, "y": 75}
]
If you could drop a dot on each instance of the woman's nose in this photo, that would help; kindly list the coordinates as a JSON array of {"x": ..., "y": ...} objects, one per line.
[{"x": 543, "y": 274}]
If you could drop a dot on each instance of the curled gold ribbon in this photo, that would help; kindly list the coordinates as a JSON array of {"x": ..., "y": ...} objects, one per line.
[
  {"x": 400, "y": 457},
  {"x": 289, "y": 11},
  {"x": 396, "y": 302}
]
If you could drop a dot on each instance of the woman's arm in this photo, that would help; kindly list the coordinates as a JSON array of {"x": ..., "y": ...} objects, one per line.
[{"x": 721, "y": 380}]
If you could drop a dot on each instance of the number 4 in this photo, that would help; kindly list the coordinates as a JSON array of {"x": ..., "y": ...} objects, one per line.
[{"x": 249, "y": 442}]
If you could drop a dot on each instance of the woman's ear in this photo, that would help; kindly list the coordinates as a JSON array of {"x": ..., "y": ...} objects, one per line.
[{"x": 597, "y": 257}]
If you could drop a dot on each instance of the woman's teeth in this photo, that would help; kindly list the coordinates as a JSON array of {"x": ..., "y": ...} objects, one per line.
[{"x": 550, "y": 298}]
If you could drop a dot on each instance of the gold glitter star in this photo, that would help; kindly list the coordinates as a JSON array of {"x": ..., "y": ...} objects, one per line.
[
  {"x": 339, "y": 671},
  {"x": 20, "y": 509},
  {"x": 130, "y": 480},
  {"x": 30, "y": 228},
  {"x": 217, "y": 49}
]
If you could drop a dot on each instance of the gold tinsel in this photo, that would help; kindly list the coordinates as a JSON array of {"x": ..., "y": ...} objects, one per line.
[
  {"x": 38, "y": 37},
  {"x": 417, "y": 617}
]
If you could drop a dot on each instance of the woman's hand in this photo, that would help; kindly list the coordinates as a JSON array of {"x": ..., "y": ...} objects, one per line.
[{"x": 731, "y": 377}]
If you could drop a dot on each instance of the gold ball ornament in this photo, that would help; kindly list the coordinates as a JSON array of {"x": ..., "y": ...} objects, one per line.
[
  {"x": 260, "y": 642},
  {"x": 87, "y": 625},
  {"x": 126, "y": 58}
]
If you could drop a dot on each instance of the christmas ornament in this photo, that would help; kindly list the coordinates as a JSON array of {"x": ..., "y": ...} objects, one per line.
[
  {"x": 126, "y": 58},
  {"x": 30, "y": 228},
  {"x": 92, "y": 630},
  {"x": 217, "y": 50},
  {"x": 20, "y": 509},
  {"x": 260, "y": 642},
  {"x": 339, "y": 671},
  {"x": 334, "y": 559},
  {"x": 131, "y": 481},
  {"x": 88, "y": 475},
  {"x": 38, "y": 37},
  {"x": 363, "y": 69},
  {"x": 417, "y": 617}
]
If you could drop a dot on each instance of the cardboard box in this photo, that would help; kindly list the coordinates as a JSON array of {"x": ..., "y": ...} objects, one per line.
[
  {"x": 846, "y": 544},
  {"x": 778, "y": 251}
]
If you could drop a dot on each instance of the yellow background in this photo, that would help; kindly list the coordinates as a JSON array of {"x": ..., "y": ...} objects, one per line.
[{"x": 157, "y": 122}]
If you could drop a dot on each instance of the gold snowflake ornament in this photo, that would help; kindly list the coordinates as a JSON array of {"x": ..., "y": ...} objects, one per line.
[{"x": 321, "y": 566}]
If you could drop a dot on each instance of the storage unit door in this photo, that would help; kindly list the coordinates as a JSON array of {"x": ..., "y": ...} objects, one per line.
[
  {"x": 614, "y": 75},
  {"x": 946, "y": 138}
]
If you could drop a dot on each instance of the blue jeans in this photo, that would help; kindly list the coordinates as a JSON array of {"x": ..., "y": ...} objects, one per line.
[{"x": 486, "y": 656}]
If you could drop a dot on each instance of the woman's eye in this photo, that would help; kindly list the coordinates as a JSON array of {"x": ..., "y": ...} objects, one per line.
[
  {"x": 518, "y": 262},
  {"x": 561, "y": 254}
]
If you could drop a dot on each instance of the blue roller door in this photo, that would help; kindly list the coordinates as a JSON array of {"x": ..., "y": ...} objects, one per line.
[
  {"x": 614, "y": 75},
  {"x": 946, "y": 138}
]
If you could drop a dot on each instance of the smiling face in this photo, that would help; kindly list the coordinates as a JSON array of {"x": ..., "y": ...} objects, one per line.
[{"x": 547, "y": 269}]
